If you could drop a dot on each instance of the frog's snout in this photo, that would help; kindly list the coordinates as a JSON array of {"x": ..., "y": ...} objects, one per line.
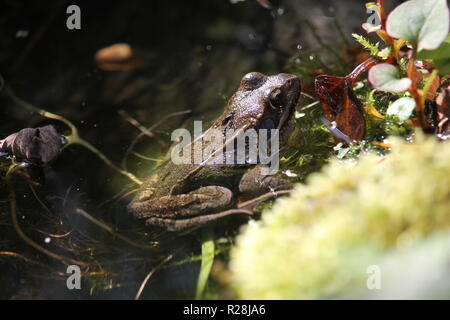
[{"x": 292, "y": 87}]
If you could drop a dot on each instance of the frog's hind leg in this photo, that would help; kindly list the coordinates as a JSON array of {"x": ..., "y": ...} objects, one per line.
[{"x": 164, "y": 211}]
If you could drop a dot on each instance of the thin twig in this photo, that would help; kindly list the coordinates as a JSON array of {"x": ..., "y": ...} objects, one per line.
[
  {"x": 18, "y": 229},
  {"x": 74, "y": 137},
  {"x": 135, "y": 123},
  {"x": 144, "y": 283},
  {"x": 150, "y": 129},
  {"x": 109, "y": 229}
]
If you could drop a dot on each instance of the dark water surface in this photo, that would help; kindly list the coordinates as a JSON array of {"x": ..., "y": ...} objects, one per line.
[{"x": 187, "y": 55}]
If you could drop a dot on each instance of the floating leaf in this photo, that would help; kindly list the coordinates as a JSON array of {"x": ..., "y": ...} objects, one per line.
[
  {"x": 440, "y": 56},
  {"x": 38, "y": 146},
  {"x": 402, "y": 108},
  {"x": 424, "y": 23},
  {"x": 386, "y": 77}
]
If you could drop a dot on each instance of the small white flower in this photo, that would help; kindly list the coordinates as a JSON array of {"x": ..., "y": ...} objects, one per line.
[
  {"x": 291, "y": 174},
  {"x": 402, "y": 108}
]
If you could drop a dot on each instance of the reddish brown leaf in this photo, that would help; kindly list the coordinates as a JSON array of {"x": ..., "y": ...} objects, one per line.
[
  {"x": 443, "y": 110},
  {"x": 340, "y": 105}
]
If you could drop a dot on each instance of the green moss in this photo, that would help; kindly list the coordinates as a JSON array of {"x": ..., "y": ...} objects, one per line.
[{"x": 319, "y": 242}]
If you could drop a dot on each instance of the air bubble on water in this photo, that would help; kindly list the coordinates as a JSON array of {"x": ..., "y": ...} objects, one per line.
[
  {"x": 280, "y": 11},
  {"x": 298, "y": 60},
  {"x": 47, "y": 240},
  {"x": 208, "y": 47},
  {"x": 311, "y": 57},
  {"x": 299, "y": 47}
]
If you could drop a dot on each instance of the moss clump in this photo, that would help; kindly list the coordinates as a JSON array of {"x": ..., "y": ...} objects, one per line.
[{"x": 319, "y": 242}]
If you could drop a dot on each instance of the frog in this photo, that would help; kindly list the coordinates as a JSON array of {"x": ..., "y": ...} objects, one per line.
[{"x": 178, "y": 197}]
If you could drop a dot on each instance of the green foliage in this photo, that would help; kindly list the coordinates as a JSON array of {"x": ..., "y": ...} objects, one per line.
[
  {"x": 310, "y": 146},
  {"x": 403, "y": 108},
  {"x": 374, "y": 49},
  {"x": 207, "y": 261},
  {"x": 423, "y": 23},
  {"x": 440, "y": 57},
  {"x": 319, "y": 242},
  {"x": 386, "y": 77}
]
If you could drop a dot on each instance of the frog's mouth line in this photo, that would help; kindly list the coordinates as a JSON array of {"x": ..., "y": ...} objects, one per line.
[{"x": 290, "y": 107}]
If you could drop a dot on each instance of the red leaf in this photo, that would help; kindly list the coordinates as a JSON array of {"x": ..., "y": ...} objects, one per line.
[
  {"x": 340, "y": 105},
  {"x": 443, "y": 110}
]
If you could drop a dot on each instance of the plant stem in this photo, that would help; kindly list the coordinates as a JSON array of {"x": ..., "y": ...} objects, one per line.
[
  {"x": 415, "y": 93},
  {"x": 207, "y": 260}
]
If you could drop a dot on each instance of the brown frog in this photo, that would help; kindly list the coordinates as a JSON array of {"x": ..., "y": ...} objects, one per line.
[{"x": 182, "y": 196}]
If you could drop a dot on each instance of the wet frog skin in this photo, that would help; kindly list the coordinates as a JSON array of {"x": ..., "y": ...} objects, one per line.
[{"x": 183, "y": 196}]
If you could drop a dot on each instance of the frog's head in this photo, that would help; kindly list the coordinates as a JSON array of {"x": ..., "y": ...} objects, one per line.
[{"x": 263, "y": 102}]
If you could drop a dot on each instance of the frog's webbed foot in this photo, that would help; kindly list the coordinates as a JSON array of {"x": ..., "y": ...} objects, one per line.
[
  {"x": 255, "y": 183},
  {"x": 178, "y": 212}
]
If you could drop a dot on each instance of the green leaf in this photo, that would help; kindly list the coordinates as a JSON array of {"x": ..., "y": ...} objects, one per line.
[
  {"x": 440, "y": 56},
  {"x": 207, "y": 261},
  {"x": 386, "y": 77},
  {"x": 402, "y": 108},
  {"x": 424, "y": 23},
  {"x": 373, "y": 48}
]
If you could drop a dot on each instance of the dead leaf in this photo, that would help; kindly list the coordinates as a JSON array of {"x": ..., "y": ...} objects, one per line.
[
  {"x": 443, "y": 111},
  {"x": 340, "y": 105},
  {"x": 117, "y": 57},
  {"x": 37, "y": 146}
]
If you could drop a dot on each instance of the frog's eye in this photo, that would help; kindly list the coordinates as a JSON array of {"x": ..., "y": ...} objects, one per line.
[
  {"x": 276, "y": 98},
  {"x": 252, "y": 81},
  {"x": 227, "y": 119}
]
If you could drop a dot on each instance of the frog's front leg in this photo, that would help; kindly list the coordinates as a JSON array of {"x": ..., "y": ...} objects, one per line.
[
  {"x": 175, "y": 212},
  {"x": 254, "y": 182}
]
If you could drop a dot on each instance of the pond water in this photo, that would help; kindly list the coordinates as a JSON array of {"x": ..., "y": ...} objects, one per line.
[{"x": 183, "y": 60}]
